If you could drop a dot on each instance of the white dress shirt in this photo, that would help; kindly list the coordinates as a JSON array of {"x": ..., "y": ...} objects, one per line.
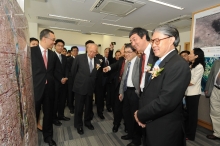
[
  {"x": 147, "y": 54},
  {"x": 129, "y": 80},
  {"x": 42, "y": 51},
  {"x": 59, "y": 56}
]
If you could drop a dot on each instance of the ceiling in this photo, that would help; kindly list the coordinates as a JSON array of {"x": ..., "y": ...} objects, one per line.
[{"x": 148, "y": 16}]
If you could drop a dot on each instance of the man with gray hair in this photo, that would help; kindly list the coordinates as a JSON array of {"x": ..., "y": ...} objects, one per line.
[{"x": 160, "y": 109}]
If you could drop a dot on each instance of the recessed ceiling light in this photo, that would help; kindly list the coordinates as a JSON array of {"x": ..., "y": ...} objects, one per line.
[
  {"x": 166, "y": 4},
  {"x": 51, "y": 15},
  {"x": 117, "y": 25},
  {"x": 64, "y": 28}
]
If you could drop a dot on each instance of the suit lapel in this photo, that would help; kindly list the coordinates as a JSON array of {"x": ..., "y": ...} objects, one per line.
[
  {"x": 41, "y": 60},
  {"x": 87, "y": 63},
  {"x": 163, "y": 63}
]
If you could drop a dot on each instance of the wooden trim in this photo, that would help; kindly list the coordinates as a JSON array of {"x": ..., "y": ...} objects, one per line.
[
  {"x": 185, "y": 46},
  {"x": 204, "y": 124}
]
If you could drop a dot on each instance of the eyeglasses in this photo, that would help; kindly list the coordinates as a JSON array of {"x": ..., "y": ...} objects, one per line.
[
  {"x": 157, "y": 41},
  {"x": 128, "y": 52},
  {"x": 51, "y": 39}
]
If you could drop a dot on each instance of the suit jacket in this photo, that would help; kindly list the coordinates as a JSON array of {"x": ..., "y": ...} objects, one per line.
[
  {"x": 115, "y": 70},
  {"x": 70, "y": 61},
  {"x": 83, "y": 80},
  {"x": 196, "y": 78},
  {"x": 39, "y": 72},
  {"x": 62, "y": 70},
  {"x": 161, "y": 103},
  {"x": 110, "y": 57},
  {"x": 135, "y": 77},
  {"x": 211, "y": 79}
]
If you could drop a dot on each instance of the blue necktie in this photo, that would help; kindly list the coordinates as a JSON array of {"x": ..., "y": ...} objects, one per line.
[
  {"x": 90, "y": 66},
  {"x": 126, "y": 77}
]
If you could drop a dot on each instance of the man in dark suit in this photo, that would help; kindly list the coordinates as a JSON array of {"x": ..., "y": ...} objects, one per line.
[
  {"x": 74, "y": 53},
  {"x": 212, "y": 91},
  {"x": 60, "y": 84},
  {"x": 43, "y": 69},
  {"x": 116, "y": 69},
  {"x": 84, "y": 70},
  {"x": 160, "y": 108},
  {"x": 129, "y": 93}
]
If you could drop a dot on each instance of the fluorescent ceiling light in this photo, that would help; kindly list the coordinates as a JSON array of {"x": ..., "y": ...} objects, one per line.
[
  {"x": 130, "y": 11},
  {"x": 166, "y": 4},
  {"x": 117, "y": 25},
  {"x": 101, "y": 33},
  {"x": 51, "y": 15},
  {"x": 64, "y": 28}
]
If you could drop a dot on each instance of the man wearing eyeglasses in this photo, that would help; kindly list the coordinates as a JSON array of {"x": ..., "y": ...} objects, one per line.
[
  {"x": 43, "y": 70},
  {"x": 160, "y": 108}
]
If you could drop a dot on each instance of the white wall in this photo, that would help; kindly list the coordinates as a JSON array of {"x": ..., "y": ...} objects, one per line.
[
  {"x": 184, "y": 37},
  {"x": 33, "y": 30}
]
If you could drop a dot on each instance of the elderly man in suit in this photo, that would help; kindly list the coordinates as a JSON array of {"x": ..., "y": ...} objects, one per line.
[
  {"x": 84, "y": 71},
  {"x": 160, "y": 108},
  {"x": 129, "y": 92},
  {"x": 43, "y": 71},
  {"x": 212, "y": 90}
]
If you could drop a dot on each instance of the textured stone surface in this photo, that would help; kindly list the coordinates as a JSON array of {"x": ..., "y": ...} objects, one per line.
[{"x": 17, "y": 114}]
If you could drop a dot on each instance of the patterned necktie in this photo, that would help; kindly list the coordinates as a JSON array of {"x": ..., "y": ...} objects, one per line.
[
  {"x": 218, "y": 79},
  {"x": 126, "y": 77},
  {"x": 60, "y": 57},
  {"x": 106, "y": 62},
  {"x": 142, "y": 66},
  {"x": 45, "y": 57},
  {"x": 90, "y": 66}
]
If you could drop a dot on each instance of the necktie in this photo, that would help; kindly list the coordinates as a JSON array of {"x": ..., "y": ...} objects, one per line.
[
  {"x": 218, "y": 79},
  {"x": 142, "y": 66},
  {"x": 90, "y": 66},
  {"x": 45, "y": 58},
  {"x": 106, "y": 62},
  {"x": 126, "y": 77},
  {"x": 60, "y": 57}
]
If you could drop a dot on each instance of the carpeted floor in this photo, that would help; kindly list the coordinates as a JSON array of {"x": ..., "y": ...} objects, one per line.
[{"x": 66, "y": 135}]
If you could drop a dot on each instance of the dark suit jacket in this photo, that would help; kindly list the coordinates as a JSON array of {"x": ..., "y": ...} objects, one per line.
[
  {"x": 40, "y": 73},
  {"x": 211, "y": 80},
  {"x": 116, "y": 68},
  {"x": 69, "y": 66},
  {"x": 84, "y": 81},
  {"x": 110, "y": 57},
  {"x": 161, "y": 103},
  {"x": 62, "y": 70}
]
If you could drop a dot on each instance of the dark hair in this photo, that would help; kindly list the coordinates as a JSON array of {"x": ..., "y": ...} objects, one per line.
[
  {"x": 89, "y": 42},
  {"x": 68, "y": 51},
  {"x": 34, "y": 39},
  {"x": 130, "y": 46},
  {"x": 187, "y": 52},
  {"x": 117, "y": 52},
  {"x": 140, "y": 32},
  {"x": 65, "y": 49},
  {"x": 74, "y": 47},
  {"x": 170, "y": 31},
  {"x": 59, "y": 41},
  {"x": 200, "y": 59},
  {"x": 45, "y": 33}
]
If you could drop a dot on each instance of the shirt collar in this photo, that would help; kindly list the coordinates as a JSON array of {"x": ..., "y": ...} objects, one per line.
[{"x": 166, "y": 54}]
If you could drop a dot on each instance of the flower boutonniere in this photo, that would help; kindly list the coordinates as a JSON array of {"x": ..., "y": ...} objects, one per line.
[
  {"x": 100, "y": 60},
  {"x": 156, "y": 72},
  {"x": 98, "y": 66},
  {"x": 148, "y": 67}
]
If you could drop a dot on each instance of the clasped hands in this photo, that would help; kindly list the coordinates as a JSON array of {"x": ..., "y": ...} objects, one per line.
[
  {"x": 63, "y": 80},
  {"x": 139, "y": 123}
]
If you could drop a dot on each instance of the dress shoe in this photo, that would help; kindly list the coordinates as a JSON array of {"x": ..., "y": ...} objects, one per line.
[
  {"x": 115, "y": 128},
  {"x": 212, "y": 137},
  {"x": 133, "y": 144},
  {"x": 126, "y": 137},
  {"x": 89, "y": 126},
  {"x": 51, "y": 142},
  {"x": 57, "y": 123},
  {"x": 101, "y": 117},
  {"x": 126, "y": 130},
  {"x": 80, "y": 130},
  {"x": 64, "y": 118},
  {"x": 109, "y": 109}
]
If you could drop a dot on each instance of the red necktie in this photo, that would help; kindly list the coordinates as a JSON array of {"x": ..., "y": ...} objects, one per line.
[
  {"x": 122, "y": 69},
  {"x": 45, "y": 60},
  {"x": 142, "y": 66}
]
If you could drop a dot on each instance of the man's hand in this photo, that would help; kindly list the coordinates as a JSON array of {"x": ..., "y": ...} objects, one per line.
[
  {"x": 63, "y": 80},
  {"x": 206, "y": 92},
  {"x": 106, "y": 69},
  {"x": 120, "y": 97},
  {"x": 139, "y": 123}
]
